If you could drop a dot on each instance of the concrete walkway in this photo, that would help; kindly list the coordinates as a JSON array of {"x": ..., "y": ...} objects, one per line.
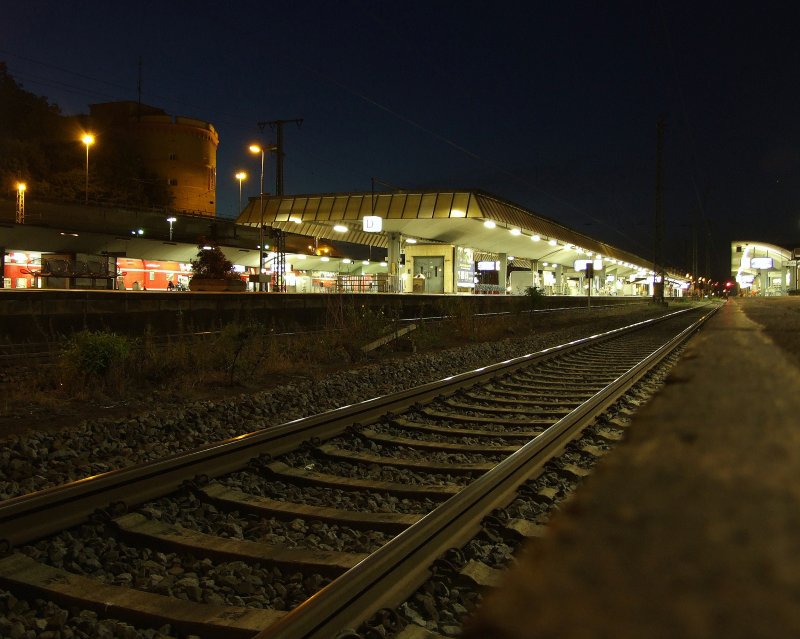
[{"x": 691, "y": 528}]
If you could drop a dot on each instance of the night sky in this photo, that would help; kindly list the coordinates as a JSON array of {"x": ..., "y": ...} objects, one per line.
[{"x": 552, "y": 105}]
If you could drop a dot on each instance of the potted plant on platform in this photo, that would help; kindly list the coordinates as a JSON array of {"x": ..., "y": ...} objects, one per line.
[{"x": 211, "y": 271}]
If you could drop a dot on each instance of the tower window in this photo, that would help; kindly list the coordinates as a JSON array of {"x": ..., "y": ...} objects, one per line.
[{"x": 173, "y": 156}]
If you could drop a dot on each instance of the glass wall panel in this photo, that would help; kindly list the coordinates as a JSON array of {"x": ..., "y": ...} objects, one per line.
[
  {"x": 460, "y": 203},
  {"x": 397, "y": 206},
  {"x": 411, "y": 208},
  {"x": 311, "y": 208},
  {"x": 382, "y": 205},
  {"x": 339, "y": 204},
  {"x": 426, "y": 206},
  {"x": 352, "y": 207},
  {"x": 443, "y": 204},
  {"x": 325, "y": 207},
  {"x": 284, "y": 209}
]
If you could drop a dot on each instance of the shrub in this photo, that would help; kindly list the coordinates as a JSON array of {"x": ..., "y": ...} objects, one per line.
[
  {"x": 211, "y": 262},
  {"x": 534, "y": 295},
  {"x": 94, "y": 353}
]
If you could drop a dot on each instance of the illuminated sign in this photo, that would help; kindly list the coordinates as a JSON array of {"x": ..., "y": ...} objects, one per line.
[
  {"x": 465, "y": 267},
  {"x": 372, "y": 224},
  {"x": 488, "y": 266},
  {"x": 580, "y": 265},
  {"x": 761, "y": 262}
]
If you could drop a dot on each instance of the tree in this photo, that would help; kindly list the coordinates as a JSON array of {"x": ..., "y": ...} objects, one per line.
[
  {"x": 40, "y": 146},
  {"x": 211, "y": 263},
  {"x": 33, "y": 136}
]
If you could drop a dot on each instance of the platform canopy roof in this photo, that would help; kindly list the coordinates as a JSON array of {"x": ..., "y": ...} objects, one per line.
[
  {"x": 750, "y": 258},
  {"x": 459, "y": 218}
]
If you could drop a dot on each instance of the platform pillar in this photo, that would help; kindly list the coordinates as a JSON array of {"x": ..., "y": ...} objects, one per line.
[{"x": 393, "y": 261}]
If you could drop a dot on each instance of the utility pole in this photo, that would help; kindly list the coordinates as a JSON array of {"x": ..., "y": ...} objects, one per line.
[
  {"x": 277, "y": 125},
  {"x": 279, "y": 240},
  {"x": 658, "y": 287},
  {"x": 139, "y": 93},
  {"x": 694, "y": 253}
]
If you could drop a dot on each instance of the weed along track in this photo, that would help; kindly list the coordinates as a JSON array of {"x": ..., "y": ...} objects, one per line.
[{"x": 309, "y": 528}]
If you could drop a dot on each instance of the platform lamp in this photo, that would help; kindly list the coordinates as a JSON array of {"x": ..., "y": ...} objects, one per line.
[
  {"x": 241, "y": 176},
  {"x": 88, "y": 140},
  {"x": 257, "y": 148},
  {"x": 21, "y": 188},
  {"x": 171, "y": 221}
]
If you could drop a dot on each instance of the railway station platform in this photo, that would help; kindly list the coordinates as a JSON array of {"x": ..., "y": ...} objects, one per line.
[{"x": 690, "y": 527}]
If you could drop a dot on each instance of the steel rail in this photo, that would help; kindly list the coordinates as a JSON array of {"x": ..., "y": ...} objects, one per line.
[
  {"x": 29, "y": 517},
  {"x": 395, "y": 571}
]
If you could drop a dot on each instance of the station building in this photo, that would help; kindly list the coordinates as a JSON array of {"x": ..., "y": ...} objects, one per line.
[
  {"x": 462, "y": 242},
  {"x": 433, "y": 242},
  {"x": 764, "y": 269},
  {"x": 181, "y": 151}
]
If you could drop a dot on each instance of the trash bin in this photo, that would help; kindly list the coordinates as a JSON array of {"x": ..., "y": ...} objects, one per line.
[{"x": 418, "y": 284}]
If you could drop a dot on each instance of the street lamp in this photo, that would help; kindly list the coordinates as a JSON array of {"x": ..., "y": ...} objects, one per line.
[
  {"x": 21, "y": 187},
  {"x": 171, "y": 220},
  {"x": 88, "y": 140},
  {"x": 257, "y": 148},
  {"x": 241, "y": 175}
]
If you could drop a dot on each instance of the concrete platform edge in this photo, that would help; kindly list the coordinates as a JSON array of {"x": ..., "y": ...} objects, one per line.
[{"x": 689, "y": 528}]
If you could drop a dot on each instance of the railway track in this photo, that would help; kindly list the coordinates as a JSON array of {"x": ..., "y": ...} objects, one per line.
[
  {"x": 308, "y": 528},
  {"x": 30, "y": 353}
]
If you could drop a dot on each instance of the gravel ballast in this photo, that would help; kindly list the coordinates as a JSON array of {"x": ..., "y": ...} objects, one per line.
[{"x": 42, "y": 459}]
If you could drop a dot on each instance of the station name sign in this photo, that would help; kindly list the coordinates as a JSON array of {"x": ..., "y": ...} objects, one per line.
[
  {"x": 761, "y": 262},
  {"x": 372, "y": 224},
  {"x": 580, "y": 265}
]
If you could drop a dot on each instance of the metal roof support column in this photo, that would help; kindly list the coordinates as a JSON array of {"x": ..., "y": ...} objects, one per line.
[
  {"x": 536, "y": 283},
  {"x": 502, "y": 276},
  {"x": 560, "y": 279},
  {"x": 393, "y": 259}
]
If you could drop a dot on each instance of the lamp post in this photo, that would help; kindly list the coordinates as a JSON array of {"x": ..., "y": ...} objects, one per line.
[
  {"x": 241, "y": 176},
  {"x": 171, "y": 221},
  {"x": 255, "y": 148},
  {"x": 88, "y": 140},
  {"x": 21, "y": 187}
]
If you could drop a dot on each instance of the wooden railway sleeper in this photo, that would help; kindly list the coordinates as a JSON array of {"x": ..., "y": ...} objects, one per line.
[
  {"x": 354, "y": 429},
  {"x": 450, "y": 563},
  {"x": 107, "y": 514},
  {"x": 260, "y": 464},
  {"x": 536, "y": 493},
  {"x": 194, "y": 485},
  {"x": 493, "y": 528},
  {"x": 384, "y": 619}
]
